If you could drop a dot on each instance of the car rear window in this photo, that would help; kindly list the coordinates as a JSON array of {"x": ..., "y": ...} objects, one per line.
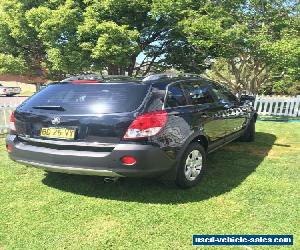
[{"x": 90, "y": 98}]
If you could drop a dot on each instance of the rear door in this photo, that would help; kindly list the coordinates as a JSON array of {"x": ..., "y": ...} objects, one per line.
[
  {"x": 180, "y": 118},
  {"x": 206, "y": 112},
  {"x": 96, "y": 112}
]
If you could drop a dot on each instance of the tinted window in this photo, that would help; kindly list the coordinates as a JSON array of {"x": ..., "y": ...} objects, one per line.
[
  {"x": 224, "y": 95},
  {"x": 198, "y": 93},
  {"x": 90, "y": 98},
  {"x": 175, "y": 96}
]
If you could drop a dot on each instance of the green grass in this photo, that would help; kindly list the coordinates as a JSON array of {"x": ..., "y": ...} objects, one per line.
[{"x": 249, "y": 188}]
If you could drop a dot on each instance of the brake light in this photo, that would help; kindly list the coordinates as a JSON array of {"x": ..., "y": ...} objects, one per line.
[
  {"x": 146, "y": 125},
  {"x": 128, "y": 160},
  {"x": 9, "y": 148},
  {"x": 12, "y": 121}
]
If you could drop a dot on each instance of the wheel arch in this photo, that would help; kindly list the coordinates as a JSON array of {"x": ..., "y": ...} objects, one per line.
[
  {"x": 201, "y": 139},
  {"x": 197, "y": 137}
]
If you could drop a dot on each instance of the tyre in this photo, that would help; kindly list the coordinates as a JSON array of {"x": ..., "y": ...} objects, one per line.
[
  {"x": 191, "y": 166},
  {"x": 249, "y": 134},
  {"x": 10, "y": 95}
]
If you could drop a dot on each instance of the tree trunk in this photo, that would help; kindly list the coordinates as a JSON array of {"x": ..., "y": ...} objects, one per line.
[
  {"x": 131, "y": 65},
  {"x": 113, "y": 69},
  {"x": 122, "y": 70}
]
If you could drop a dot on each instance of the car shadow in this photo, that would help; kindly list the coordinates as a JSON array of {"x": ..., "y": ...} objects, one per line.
[{"x": 227, "y": 169}]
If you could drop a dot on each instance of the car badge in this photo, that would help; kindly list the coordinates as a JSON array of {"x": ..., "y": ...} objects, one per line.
[{"x": 55, "y": 120}]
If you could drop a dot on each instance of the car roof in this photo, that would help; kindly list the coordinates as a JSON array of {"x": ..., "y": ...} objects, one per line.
[
  {"x": 162, "y": 83},
  {"x": 156, "y": 80}
]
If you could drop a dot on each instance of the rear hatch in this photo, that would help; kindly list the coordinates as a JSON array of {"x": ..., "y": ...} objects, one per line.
[{"x": 72, "y": 112}]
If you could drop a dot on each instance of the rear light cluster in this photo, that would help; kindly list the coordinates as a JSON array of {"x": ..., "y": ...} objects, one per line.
[
  {"x": 146, "y": 125},
  {"x": 9, "y": 148},
  {"x": 128, "y": 160},
  {"x": 12, "y": 122}
]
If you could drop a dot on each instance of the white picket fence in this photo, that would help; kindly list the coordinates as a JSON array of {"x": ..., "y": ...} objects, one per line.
[
  {"x": 5, "y": 112},
  {"x": 7, "y": 105},
  {"x": 277, "y": 105}
]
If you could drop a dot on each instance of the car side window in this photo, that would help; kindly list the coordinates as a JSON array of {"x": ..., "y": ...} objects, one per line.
[
  {"x": 198, "y": 93},
  {"x": 223, "y": 95},
  {"x": 175, "y": 96}
]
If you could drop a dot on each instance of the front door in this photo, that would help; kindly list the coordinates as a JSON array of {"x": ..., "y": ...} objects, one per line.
[{"x": 232, "y": 111}]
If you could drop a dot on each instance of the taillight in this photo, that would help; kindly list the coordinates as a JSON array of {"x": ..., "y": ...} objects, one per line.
[
  {"x": 147, "y": 124},
  {"x": 12, "y": 121},
  {"x": 128, "y": 160},
  {"x": 9, "y": 148}
]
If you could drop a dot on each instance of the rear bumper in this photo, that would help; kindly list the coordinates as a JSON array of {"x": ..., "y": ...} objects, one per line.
[{"x": 151, "y": 161}]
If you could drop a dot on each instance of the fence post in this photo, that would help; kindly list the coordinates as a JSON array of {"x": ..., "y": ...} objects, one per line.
[
  {"x": 297, "y": 106},
  {"x": 4, "y": 117},
  {"x": 276, "y": 107}
]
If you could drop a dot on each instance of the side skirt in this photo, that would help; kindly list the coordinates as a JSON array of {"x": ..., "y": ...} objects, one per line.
[{"x": 227, "y": 140}]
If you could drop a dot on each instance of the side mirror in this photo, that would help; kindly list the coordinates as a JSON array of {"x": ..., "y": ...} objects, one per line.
[{"x": 247, "y": 100}]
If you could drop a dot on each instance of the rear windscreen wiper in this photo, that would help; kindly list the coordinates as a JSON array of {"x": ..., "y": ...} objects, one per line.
[{"x": 46, "y": 107}]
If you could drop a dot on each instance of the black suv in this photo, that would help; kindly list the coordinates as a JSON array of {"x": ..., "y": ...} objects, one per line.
[{"x": 162, "y": 126}]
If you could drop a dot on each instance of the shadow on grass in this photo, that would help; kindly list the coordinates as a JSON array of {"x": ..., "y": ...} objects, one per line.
[{"x": 227, "y": 169}]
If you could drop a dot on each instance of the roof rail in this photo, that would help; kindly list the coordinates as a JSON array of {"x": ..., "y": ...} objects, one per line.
[
  {"x": 117, "y": 77},
  {"x": 83, "y": 77},
  {"x": 155, "y": 77},
  {"x": 97, "y": 77},
  {"x": 152, "y": 77}
]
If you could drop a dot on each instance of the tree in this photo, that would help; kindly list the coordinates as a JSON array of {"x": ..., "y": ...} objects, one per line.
[
  {"x": 41, "y": 37},
  {"x": 56, "y": 27},
  {"x": 251, "y": 42},
  {"x": 19, "y": 45},
  {"x": 179, "y": 52},
  {"x": 55, "y": 38},
  {"x": 116, "y": 32},
  {"x": 244, "y": 43}
]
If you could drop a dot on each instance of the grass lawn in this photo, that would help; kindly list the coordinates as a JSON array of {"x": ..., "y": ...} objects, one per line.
[{"x": 249, "y": 188}]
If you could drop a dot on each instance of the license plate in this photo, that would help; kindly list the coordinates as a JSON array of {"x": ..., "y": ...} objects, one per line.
[{"x": 61, "y": 133}]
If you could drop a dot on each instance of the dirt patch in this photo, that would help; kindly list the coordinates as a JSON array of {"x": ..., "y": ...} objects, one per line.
[
  {"x": 100, "y": 227},
  {"x": 277, "y": 150},
  {"x": 256, "y": 151}
]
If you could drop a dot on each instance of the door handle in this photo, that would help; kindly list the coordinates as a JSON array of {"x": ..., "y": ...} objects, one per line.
[{"x": 175, "y": 113}]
